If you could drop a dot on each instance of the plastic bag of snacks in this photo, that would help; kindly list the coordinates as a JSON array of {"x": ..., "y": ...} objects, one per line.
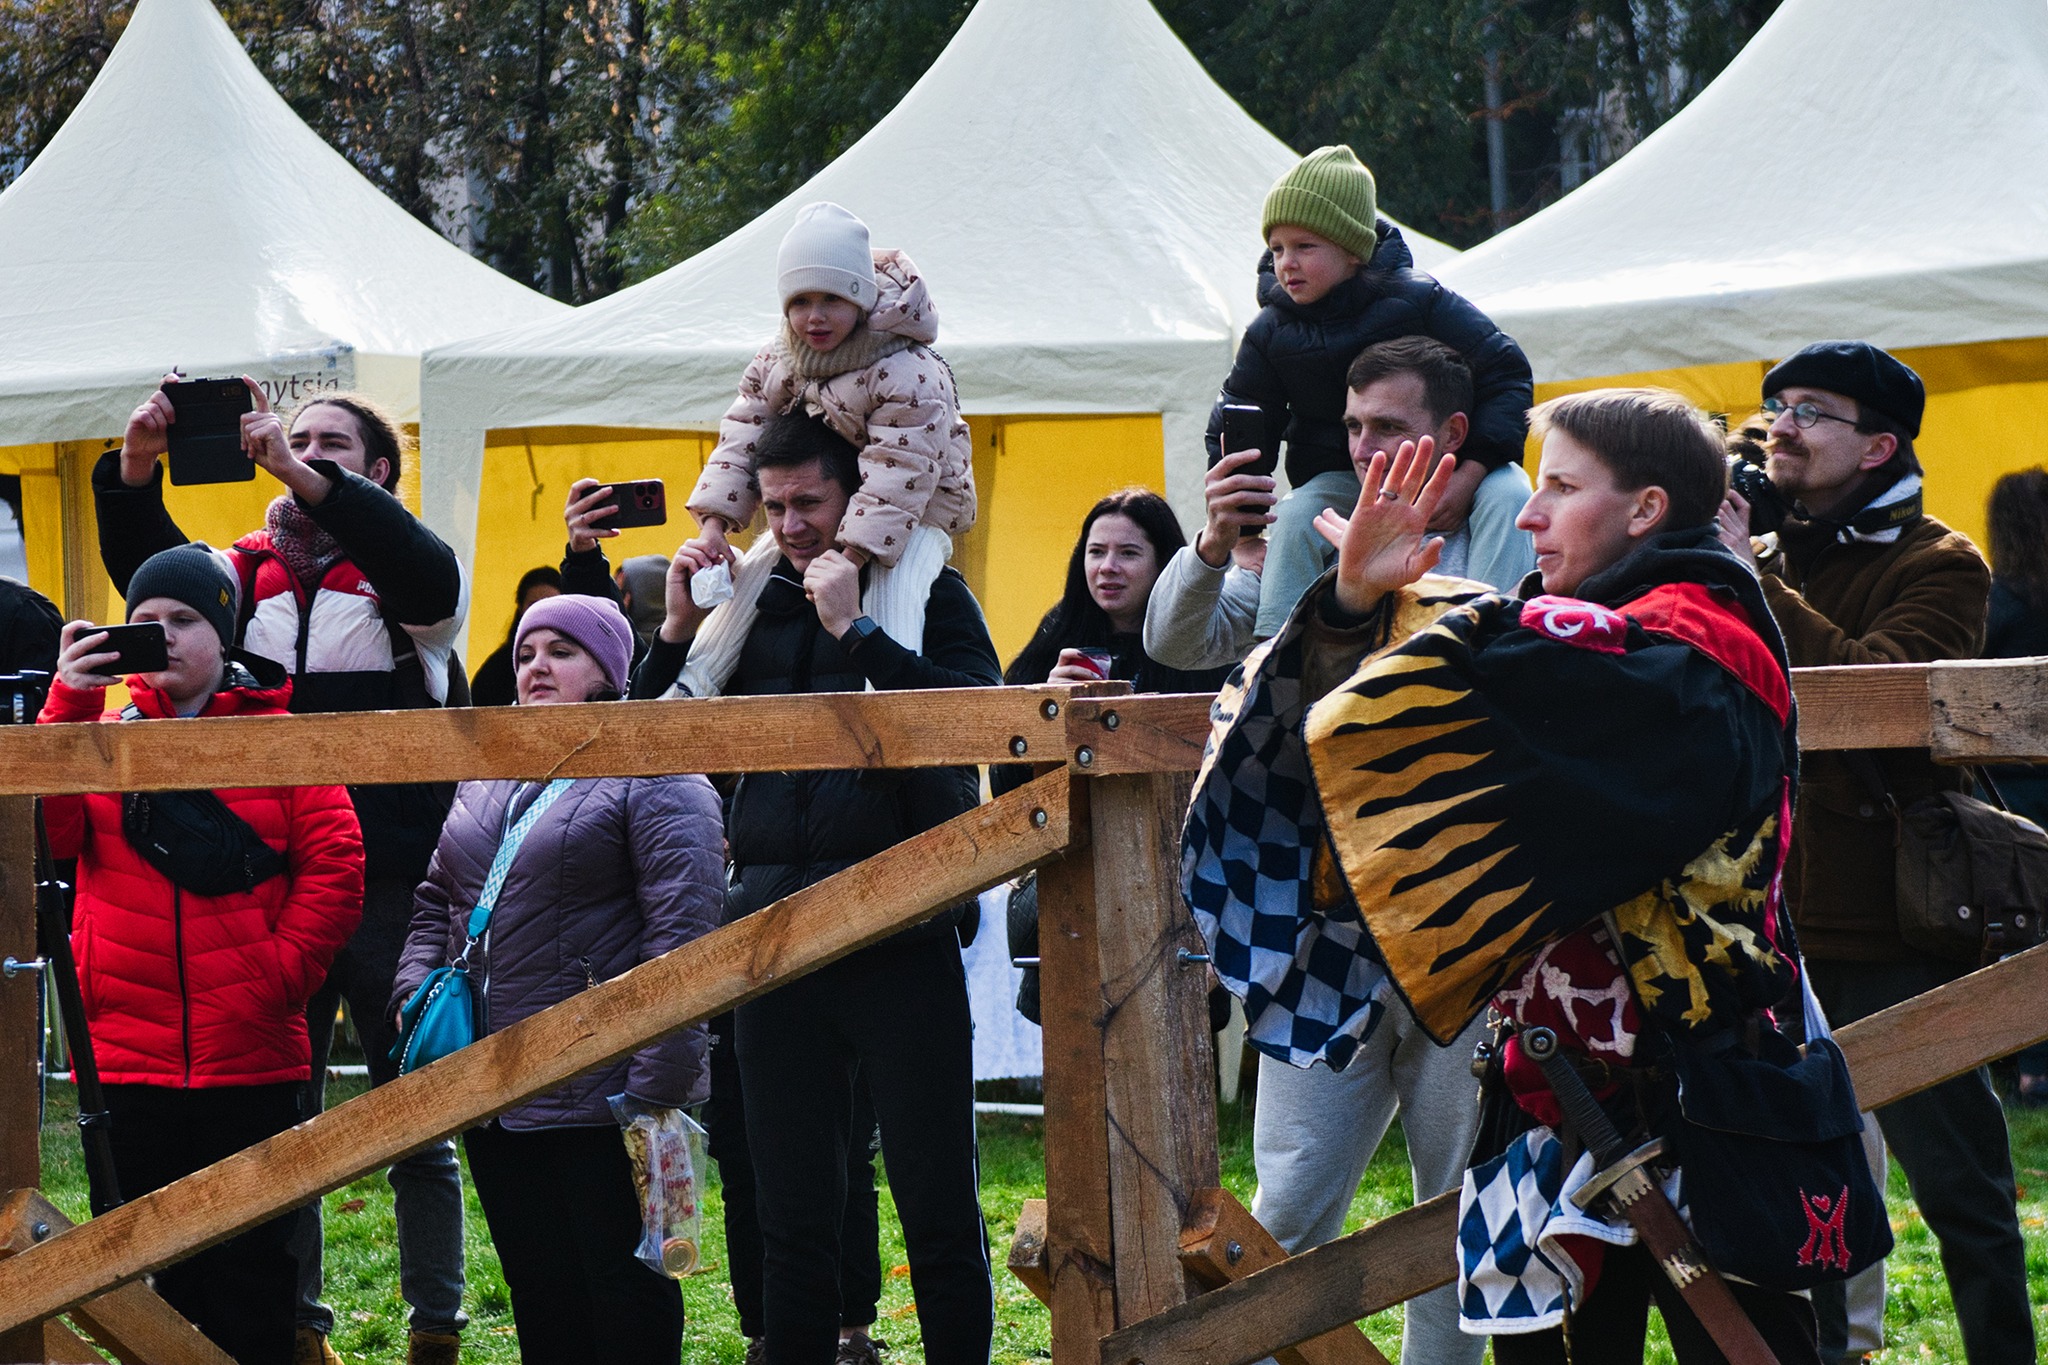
[{"x": 666, "y": 1147}]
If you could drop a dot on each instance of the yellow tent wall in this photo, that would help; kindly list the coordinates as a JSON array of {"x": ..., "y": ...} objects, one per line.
[
  {"x": 1036, "y": 478},
  {"x": 1987, "y": 414}
]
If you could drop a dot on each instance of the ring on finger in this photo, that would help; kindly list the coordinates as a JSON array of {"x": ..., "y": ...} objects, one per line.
[{"x": 1390, "y": 495}]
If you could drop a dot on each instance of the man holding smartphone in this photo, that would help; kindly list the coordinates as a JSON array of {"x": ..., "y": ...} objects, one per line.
[
  {"x": 361, "y": 604},
  {"x": 1204, "y": 611}
]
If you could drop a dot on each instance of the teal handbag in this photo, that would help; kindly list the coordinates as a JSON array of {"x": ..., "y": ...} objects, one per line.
[{"x": 440, "y": 1018}]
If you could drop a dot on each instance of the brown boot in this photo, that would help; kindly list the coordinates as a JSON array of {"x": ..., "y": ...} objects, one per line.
[
  {"x": 310, "y": 1348},
  {"x": 432, "y": 1348}
]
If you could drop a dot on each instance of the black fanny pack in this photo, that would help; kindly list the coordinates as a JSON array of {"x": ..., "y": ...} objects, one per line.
[
  {"x": 1772, "y": 1153},
  {"x": 196, "y": 841}
]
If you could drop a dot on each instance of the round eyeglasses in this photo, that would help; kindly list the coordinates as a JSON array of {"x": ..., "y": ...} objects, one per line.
[{"x": 1804, "y": 415}]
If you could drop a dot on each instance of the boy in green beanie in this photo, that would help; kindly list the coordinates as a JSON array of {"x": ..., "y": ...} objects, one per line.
[{"x": 1338, "y": 278}]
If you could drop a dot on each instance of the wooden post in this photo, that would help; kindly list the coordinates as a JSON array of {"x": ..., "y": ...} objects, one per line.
[
  {"x": 1157, "y": 1070},
  {"x": 21, "y": 1152},
  {"x": 1077, "y": 1255}
]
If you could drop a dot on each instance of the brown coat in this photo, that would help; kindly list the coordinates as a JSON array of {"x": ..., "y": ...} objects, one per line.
[
  {"x": 1917, "y": 600},
  {"x": 916, "y": 458}
]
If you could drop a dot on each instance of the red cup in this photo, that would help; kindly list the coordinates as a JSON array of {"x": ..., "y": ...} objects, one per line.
[{"x": 1095, "y": 660}]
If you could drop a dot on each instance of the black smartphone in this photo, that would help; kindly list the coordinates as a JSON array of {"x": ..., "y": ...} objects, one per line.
[
  {"x": 641, "y": 502},
  {"x": 141, "y": 647},
  {"x": 1244, "y": 428},
  {"x": 206, "y": 434}
]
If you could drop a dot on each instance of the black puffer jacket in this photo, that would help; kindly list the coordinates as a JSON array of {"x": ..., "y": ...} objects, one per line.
[
  {"x": 789, "y": 829},
  {"x": 1293, "y": 360}
]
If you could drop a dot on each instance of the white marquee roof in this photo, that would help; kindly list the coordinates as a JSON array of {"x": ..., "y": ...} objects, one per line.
[
  {"x": 184, "y": 215},
  {"x": 1863, "y": 168},
  {"x": 1081, "y": 197}
]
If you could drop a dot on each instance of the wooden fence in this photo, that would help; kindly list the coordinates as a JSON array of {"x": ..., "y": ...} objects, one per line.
[{"x": 1138, "y": 1252}]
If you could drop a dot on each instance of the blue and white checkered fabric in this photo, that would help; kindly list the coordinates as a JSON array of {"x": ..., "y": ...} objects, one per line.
[
  {"x": 1313, "y": 989},
  {"x": 1515, "y": 1273}
]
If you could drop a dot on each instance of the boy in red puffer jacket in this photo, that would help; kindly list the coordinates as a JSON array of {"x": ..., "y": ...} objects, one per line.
[{"x": 195, "y": 998}]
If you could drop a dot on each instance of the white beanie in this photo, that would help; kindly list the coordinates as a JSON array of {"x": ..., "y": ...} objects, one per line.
[{"x": 826, "y": 252}]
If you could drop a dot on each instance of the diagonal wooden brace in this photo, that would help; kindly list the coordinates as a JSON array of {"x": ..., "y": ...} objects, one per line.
[
  {"x": 132, "y": 1322},
  {"x": 1223, "y": 1242},
  {"x": 800, "y": 933}
]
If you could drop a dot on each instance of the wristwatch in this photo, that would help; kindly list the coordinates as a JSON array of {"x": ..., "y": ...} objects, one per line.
[{"x": 858, "y": 633}]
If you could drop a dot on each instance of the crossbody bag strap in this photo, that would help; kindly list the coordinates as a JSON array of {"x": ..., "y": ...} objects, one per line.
[{"x": 501, "y": 862}]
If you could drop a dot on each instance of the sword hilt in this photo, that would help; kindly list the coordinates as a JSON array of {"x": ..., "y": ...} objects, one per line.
[{"x": 1581, "y": 1111}]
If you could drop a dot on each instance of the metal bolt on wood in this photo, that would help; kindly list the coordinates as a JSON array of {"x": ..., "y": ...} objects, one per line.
[
  {"x": 1110, "y": 720},
  {"x": 1084, "y": 755},
  {"x": 1019, "y": 745}
]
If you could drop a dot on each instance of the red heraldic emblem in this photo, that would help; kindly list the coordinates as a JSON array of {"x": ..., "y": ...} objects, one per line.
[
  {"x": 1825, "y": 1241},
  {"x": 1587, "y": 625}
]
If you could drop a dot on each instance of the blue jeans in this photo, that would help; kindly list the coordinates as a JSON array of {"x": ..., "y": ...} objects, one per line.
[
  {"x": 426, "y": 1186},
  {"x": 1295, "y": 554}
]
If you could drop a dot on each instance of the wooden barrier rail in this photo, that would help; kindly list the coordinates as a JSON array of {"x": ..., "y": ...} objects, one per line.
[
  {"x": 1130, "y": 1130},
  {"x": 800, "y": 933}
]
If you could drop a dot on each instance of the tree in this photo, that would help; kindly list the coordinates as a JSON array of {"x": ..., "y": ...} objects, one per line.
[
  {"x": 578, "y": 145},
  {"x": 794, "y": 84},
  {"x": 1403, "y": 81}
]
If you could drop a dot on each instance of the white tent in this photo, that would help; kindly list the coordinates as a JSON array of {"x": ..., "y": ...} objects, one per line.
[
  {"x": 1863, "y": 168},
  {"x": 184, "y": 215},
  {"x": 1084, "y": 202}
]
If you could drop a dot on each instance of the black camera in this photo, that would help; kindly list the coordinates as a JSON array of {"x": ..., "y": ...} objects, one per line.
[
  {"x": 21, "y": 696},
  {"x": 1768, "y": 508}
]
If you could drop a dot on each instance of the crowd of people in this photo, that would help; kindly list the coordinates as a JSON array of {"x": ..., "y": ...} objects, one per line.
[{"x": 1501, "y": 769}]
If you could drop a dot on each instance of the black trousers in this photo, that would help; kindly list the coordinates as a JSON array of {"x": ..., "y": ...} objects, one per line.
[
  {"x": 565, "y": 1219},
  {"x": 860, "y": 1230},
  {"x": 1609, "y": 1326},
  {"x": 897, "y": 1015},
  {"x": 1952, "y": 1144},
  {"x": 241, "y": 1292}
]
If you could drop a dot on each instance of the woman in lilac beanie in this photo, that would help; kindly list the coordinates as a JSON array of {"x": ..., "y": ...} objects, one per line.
[{"x": 610, "y": 872}]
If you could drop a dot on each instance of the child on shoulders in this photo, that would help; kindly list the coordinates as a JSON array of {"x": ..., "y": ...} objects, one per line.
[{"x": 1336, "y": 279}]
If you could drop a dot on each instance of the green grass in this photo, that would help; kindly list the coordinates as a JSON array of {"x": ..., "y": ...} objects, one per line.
[{"x": 362, "y": 1259}]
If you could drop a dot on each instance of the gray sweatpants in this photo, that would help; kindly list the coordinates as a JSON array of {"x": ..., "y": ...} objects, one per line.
[{"x": 1315, "y": 1132}]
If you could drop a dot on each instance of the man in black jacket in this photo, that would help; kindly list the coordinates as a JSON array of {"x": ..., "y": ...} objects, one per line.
[
  {"x": 897, "y": 1011},
  {"x": 361, "y": 603}
]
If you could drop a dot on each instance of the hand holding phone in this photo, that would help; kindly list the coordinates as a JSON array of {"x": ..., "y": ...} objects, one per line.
[
  {"x": 204, "y": 435},
  {"x": 1239, "y": 504},
  {"x": 94, "y": 657},
  {"x": 1244, "y": 428},
  {"x": 640, "y": 502}
]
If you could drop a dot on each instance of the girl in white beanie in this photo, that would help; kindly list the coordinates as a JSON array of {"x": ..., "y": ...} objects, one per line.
[{"x": 854, "y": 348}]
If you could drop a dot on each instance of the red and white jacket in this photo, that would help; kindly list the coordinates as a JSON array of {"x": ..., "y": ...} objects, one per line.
[{"x": 195, "y": 991}]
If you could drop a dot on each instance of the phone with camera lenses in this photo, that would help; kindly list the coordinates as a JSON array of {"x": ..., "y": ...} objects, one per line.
[
  {"x": 141, "y": 647},
  {"x": 641, "y": 502},
  {"x": 205, "y": 434}
]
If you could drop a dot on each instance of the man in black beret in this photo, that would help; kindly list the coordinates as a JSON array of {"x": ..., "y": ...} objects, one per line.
[{"x": 1859, "y": 574}]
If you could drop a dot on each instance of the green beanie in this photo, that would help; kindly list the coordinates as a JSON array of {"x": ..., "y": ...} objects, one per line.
[{"x": 1331, "y": 194}]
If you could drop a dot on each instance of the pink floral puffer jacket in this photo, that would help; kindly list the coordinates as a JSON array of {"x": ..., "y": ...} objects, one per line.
[{"x": 902, "y": 410}]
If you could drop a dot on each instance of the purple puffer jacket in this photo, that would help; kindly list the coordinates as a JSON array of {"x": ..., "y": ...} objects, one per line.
[{"x": 618, "y": 871}]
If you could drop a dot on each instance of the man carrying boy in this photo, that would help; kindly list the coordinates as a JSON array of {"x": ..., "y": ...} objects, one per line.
[
  {"x": 1342, "y": 279},
  {"x": 1462, "y": 783},
  {"x": 1205, "y": 607},
  {"x": 895, "y": 1012}
]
